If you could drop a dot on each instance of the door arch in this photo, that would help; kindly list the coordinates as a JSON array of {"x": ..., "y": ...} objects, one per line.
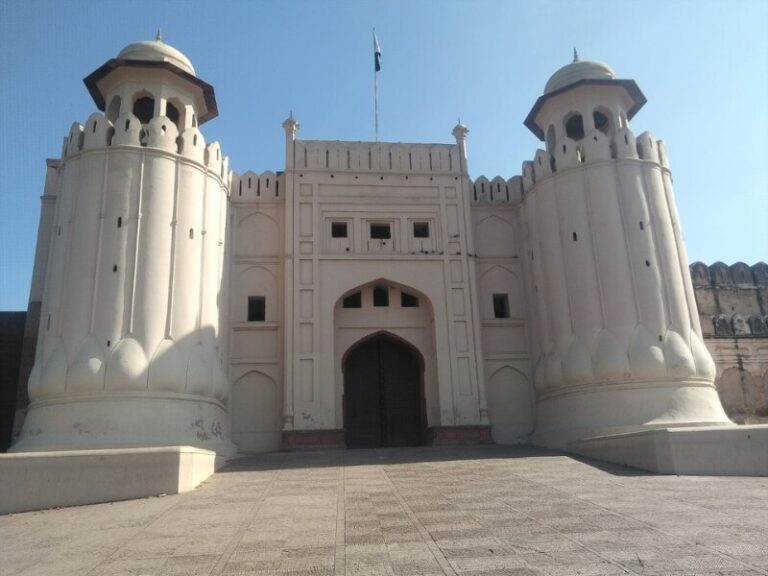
[{"x": 383, "y": 393}]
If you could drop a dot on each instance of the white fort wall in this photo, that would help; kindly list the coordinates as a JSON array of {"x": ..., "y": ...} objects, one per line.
[
  {"x": 618, "y": 345},
  {"x": 130, "y": 350}
]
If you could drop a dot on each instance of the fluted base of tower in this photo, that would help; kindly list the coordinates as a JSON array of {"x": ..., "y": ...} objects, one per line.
[
  {"x": 569, "y": 415},
  {"x": 123, "y": 420}
]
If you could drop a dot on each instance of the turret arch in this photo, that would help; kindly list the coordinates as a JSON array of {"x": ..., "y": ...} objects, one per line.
[
  {"x": 143, "y": 106},
  {"x": 113, "y": 110},
  {"x": 574, "y": 126}
]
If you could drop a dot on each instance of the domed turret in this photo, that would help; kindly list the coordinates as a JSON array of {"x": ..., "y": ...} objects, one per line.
[
  {"x": 150, "y": 79},
  {"x": 598, "y": 87}
]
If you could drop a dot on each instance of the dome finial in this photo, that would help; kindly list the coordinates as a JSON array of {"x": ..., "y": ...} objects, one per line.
[
  {"x": 575, "y": 55},
  {"x": 159, "y": 36}
]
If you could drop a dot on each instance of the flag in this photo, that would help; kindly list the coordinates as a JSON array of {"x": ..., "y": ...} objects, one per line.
[{"x": 376, "y": 53}]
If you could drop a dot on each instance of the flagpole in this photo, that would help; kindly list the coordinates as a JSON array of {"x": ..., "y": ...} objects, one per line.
[
  {"x": 376, "y": 102},
  {"x": 375, "y": 89}
]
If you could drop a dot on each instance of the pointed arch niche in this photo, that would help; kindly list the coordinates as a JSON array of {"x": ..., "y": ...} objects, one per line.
[{"x": 408, "y": 316}]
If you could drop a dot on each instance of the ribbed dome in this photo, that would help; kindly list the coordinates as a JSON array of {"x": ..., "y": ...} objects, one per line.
[
  {"x": 578, "y": 70},
  {"x": 156, "y": 51}
]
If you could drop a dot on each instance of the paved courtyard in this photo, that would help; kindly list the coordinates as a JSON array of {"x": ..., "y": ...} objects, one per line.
[{"x": 470, "y": 511}]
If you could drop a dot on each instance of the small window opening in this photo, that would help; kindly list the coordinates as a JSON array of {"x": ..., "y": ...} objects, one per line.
[
  {"x": 114, "y": 268},
  {"x": 93, "y": 128},
  {"x": 240, "y": 191},
  {"x": 191, "y": 233},
  {"x": 381, "y": 232},
  {"x": 267, "y": 183},
  {"x": 194, "y": 121},
  {"x": 256, "y": 309},
  {"x": 48, "y": 323},
  {"x": 249, "y": 181},
  {"x": 327, "y": 159},
  {"x": 626, "y": 139},
  {"x": 127, "y": 125},
  {"x": 109, "y": 343},
  {"x": 421, "y": 229},
  {"x": 410, "y": 161},
  {"x": 408, "y": 300},
  {"x": 381, "y": 296},
  {"x": 173, "y": 113},
  {"x": 353, "y": 301},
  {"x": 338, "y": 229},
  {"x": 648, "y": 263},
  {"x": 144, "y": 109},
  {"x": 258, "y": 187},
  {"x": 58, "y": 231},
  {"x": 119, "y": 221},
  {"x": 575, "y": 237},
  {"x": 194, "y": 140},
  {"x": 574, "y": 127},
  {"x": 500, "y": 306},
  {"x": 642, "y": 226},
  {"x": 277, "y": 188}
]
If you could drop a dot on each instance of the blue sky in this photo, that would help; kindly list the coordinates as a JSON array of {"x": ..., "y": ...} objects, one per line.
[{"x": 702, "y": 65}]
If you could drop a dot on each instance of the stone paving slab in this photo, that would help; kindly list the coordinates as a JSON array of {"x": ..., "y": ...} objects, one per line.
[{"x": 462, "y": 511}]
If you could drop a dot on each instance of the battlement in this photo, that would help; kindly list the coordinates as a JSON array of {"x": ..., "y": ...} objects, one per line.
[
  {"x": 735, "y": 298},
  {"x": 595, "y": 146},
  {"x": 738, "y": 274},
  {"x": 497, "y": 191},
  {"x": 377, "y": 157},
  {"x": 160, "y": 134},
  {"x": 254, "y": 187}
]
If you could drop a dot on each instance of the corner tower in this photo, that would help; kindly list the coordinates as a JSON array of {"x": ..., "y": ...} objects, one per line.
[
  {"x": 130, "y": 350},
  {"x": 618, "y": 344}
]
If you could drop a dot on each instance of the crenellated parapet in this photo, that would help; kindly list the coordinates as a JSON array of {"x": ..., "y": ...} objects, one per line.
[
  {"x": 384, "y": 157},
  {"x": 567, "y": 153},
  {"x": 160, "y": 134},
  {"x": 253, "y": 187},
  {"x": 732, "y": 300},
  {"x": 496, "y": 191}
]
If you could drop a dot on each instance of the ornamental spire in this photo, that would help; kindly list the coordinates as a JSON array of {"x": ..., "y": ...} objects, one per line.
[
  {"x": 575, "y": 55},
  {"x": 159, "y": 36}
]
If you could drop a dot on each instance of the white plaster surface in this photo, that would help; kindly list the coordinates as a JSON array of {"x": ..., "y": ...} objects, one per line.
[
  {"x": 703, "y": 450},
  {"x": 39, "y": 480}
]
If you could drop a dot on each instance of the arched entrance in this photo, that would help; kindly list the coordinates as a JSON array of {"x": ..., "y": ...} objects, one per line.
[{"x": 383, "y": 394}]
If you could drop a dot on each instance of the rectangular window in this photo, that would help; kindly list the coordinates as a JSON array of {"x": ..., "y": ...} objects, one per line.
[
  {"x": 500, "y": 306},
  {"x": 421, "y": 229},
  {"x": 256, "y": 309},
  {"x": 353, "y": 301},
  {"x": 338, "y": 229},
  {"x": 381, "y": 296},
  {"x": 380, "y": 232},
  {"x": 408, "y": 301}
]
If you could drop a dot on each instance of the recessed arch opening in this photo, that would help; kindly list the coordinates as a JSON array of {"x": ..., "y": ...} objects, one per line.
[
  {"x": 384, "y": 403},
  {"x": 144, "y": 106},
  {"x": 574, "y": 126}
]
